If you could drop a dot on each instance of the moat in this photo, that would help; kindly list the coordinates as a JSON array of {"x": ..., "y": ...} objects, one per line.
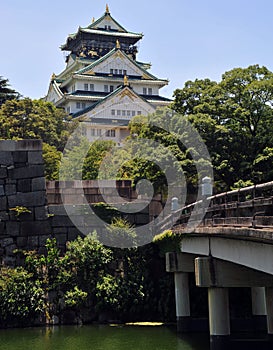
[{"x": 101, "y": 338}]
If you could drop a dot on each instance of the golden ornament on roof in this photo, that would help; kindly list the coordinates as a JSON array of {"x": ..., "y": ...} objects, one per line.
[
  {"x": 125, "y": 82},
  {"x": 93, "y": 19},
  {"x": 117, "y": 44},
  {"x": 53, "y": 76},
  {"x": 107, "y": 9}
]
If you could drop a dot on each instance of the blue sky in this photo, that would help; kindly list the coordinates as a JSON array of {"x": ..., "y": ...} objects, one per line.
[{"x": 183, "y": 39}]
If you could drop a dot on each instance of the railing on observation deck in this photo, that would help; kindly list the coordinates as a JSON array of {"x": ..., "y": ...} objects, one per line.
[{"x": 250, "y": 206}]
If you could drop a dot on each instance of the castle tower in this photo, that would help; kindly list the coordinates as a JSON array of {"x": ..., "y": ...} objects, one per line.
[{"x": 103, "y": 83}]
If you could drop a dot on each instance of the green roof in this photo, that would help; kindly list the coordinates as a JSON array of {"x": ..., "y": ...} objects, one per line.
[
  {"x": 109, "y": 54},
  {"x": 87, "y": 109}
]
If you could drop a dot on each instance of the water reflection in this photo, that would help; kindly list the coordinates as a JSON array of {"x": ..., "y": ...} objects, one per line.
[{"x": 100, "y": 338}]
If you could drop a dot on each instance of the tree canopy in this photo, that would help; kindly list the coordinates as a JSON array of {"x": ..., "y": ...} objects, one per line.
[
  {"x": 234, "y": 118},
  {"x": 6, "y": 92},
  {"x": 34, "y": 119}
]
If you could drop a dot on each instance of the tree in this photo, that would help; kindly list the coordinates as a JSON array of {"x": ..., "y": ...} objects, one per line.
[
  {"x": 52, "y": 159},
  {"x": 234, "y": 118},
  {"x": 6, "y": 93},
  {"x": 83, "y": 160},
  {"x": 35, "y": 119}
]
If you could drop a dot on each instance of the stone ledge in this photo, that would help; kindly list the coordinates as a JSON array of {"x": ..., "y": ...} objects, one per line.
[{"x": 20, "y": 145}]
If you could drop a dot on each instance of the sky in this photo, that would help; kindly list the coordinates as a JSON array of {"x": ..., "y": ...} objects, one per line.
[{"x": 183, "y": 39}]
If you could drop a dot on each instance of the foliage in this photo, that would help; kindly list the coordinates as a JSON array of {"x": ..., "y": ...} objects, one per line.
[
  {"x": 75, "y": 297},
  {"x": 84, "y": 159},
  {"x": 234, "y": 118},
  {"x": 121, "y": 231},
  {"x": 6, "y": 92},
  {"x": 34, "y": 119},
  {"x": 21, "y": 296},
  {"x": 52, "y": 159},
  {"x": 168, "y": 241},
  {"x": 20, "y": 210}
]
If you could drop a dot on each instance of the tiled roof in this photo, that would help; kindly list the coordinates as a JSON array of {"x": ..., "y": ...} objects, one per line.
[
  {"x": 109, "y": 54},
  {"x": 93, "y": 29}
]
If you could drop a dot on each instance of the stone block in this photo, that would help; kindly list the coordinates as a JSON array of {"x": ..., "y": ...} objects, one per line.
[
  {"x": 27, "y": 172},
  {"x": 3, "y": 203},
  {"x": 34, "y": 199},
  {"x": 73, "y": 233},
  {"x": 13, "y": 228},
  {"x": 33, "y": 242},
  {"x": 35, "y": 157},
  {"x": 19, "y": 156},
  {"x": 38, "y": 184},
  {"x": 35, "y": 228},
  {"x": 41, "y": 213},
  {"x": 10, "y": 249},
  {"x": 21, "y": 242},
  {"x": 2, "y": 228},
  {"x": 4, "y": 216},
  {"x": 61, "y": 221},
  {"x": 6, "y": 158},
  {"x": 28, "y": 145},
  {"x": 61, "y": 239},
  {"x": 24, "y": 185},
  {"x": 3, "y": 173},
  {"x": 10, "y": 189},
  {"x": 2, "y": 190},
  {"x": 6, "y": 242}
]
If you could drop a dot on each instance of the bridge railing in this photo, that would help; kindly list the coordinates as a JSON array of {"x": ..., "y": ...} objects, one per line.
[{"x": 250, "y": 206}]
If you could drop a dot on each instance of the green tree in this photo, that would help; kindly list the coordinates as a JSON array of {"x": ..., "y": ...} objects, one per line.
[
  {"x": 233, "y": 118},
  {"x": 35, "y": 119},
  {"x": 83, "y": 161},
  {"x": 52, "y": 159},
  {"x": 6, "y": 92},
  {"x": 21, "y": 297}
]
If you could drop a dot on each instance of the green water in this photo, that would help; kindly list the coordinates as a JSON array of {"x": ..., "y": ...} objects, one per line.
[{"x": 100, "y": 338}]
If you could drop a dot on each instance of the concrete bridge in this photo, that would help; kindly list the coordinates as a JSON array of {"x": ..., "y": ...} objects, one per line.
[{"x": 231, "y": 246}]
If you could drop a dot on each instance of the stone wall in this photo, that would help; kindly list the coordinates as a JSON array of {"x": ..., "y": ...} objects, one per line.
[
  {"x": 23, "y": 212},
  {"x": 32, "y": 211}
]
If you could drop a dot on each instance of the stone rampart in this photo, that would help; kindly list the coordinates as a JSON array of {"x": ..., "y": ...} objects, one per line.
[{"x": 32, "y": 210}]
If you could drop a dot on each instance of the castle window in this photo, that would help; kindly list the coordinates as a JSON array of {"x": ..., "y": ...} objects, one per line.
[
  {"x": 124, "y": 72},
  {"x": 111, "y": 71},
  {"x": 91, "y": 87},
  {"x": 128, "y": 113},
  {"x": 133, "y": 113},
  {"x": 116, "y": 71},
  {"x": 123, "y": 113},
  {"x": 98, "y": 132},
  {"x": 111, "y": 88},
  {"x": 78, "y": 105},
  {"x": 118, "y": 112},
  {"x": 83, "y": 105},
  {"x": 113, "y": 112},
  {"x": 150, "y": 91},
  {"x": 105, "y": 88},
  {"x": 92, "y": 132},
  {"x": 110, "y": 133},
  {"x": 73, "y": 88},
  {"x": 144, "y": 91},
  {"x": 138, "y": 112},
  {"x": 120, "y": 71},
  {"x": 86, "y": 87},
  {"x": 68, "y": 109}
]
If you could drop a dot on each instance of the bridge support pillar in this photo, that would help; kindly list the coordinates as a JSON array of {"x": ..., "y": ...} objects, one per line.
[
  {"x": 182, "y": 300},
  {"x": 269, "y": 309},
  {"x": 259, "y": 308},
  {"x": 219, "y": 321}
]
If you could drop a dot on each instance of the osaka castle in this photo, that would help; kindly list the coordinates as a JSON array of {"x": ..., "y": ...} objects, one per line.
[{"x": 103, "y": 83}]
